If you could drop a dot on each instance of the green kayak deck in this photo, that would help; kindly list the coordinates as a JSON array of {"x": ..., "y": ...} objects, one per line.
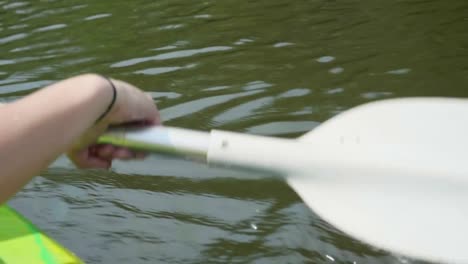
[{"x": 23, "y": 243}]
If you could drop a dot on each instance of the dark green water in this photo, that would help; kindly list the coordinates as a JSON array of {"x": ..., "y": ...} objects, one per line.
[{"x": 268, "y": 67}]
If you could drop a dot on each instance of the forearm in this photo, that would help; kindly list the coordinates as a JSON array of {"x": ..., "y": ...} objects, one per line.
[{"x": 38, "y": 128}]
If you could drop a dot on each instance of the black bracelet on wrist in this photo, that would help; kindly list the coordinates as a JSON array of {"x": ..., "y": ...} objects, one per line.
[{"x": 114, "y": 97}]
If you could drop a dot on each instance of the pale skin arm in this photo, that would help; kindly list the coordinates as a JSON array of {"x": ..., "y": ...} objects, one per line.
[{"x": 61, "y": 118}]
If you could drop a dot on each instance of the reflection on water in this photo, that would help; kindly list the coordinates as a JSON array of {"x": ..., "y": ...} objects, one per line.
[{"x": 264, "y": 67}]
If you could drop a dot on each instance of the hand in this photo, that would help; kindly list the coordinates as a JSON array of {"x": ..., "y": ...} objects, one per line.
[{"x": 131, "y": 106}]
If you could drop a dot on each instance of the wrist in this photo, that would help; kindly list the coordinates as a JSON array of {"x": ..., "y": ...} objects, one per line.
[
  {"x": 111, "y": 106},
  {"x": 104, "y": 90}
]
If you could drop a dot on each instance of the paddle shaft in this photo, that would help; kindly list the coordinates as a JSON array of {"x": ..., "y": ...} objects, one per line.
[
  {"x": 218, "y": 148},
  {"x": 164, "y": 140}
]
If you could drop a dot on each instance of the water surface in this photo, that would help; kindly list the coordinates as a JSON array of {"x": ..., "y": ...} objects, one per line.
[{"x": 266, "y": 67}]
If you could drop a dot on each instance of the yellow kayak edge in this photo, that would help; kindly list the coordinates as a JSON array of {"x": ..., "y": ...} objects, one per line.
[{"x": 22, "y": 242}]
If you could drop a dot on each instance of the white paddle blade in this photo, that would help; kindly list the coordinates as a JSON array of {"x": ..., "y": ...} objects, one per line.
[{"x": 402, "y": 182}]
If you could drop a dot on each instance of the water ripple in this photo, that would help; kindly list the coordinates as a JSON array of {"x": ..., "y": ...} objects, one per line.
[
  {"x": 15, "y": 5},
  {"x": 98, "y": 16},
  {"x": 282, "y": 44},
  {"x": 23, "y": 86},
  {"x": 296, "y": 92},
  {"x": 51, "y": 27},
  {"x": 161, "y": 70},
  {"x": 12, "y": 38},
  {"x": 326, "y": 59},
  {"x": 41, "y": 45},
  {"x": 245, "y": 110},
  {"x": 200, "y": 104},
  {"x": 256, "y": 85},
  {"x": 283, "y": 127},
  {"x": 171, "y": 55},
  {"x": 6, "y": 62}
]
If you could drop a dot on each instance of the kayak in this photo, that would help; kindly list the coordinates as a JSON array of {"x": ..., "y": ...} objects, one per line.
[{"x": 22, "y": 242}]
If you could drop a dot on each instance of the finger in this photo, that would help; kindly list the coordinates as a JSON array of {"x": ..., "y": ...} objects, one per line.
[
  {"x": 104, "y": 151},
  {"x": 96, "y": 162},
  {"x": 127, "y": 154},
  {"x": 123, "y": 154},
  {"x": 140, "y": 155},
  {"x": 86, "y": 159}
]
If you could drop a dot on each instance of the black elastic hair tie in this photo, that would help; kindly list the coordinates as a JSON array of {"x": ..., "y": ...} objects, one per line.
[{"x": 114, "y": 97}]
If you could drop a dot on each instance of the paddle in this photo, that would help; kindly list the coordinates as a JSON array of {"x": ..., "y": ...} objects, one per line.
[{"x": 392, "y": 173}]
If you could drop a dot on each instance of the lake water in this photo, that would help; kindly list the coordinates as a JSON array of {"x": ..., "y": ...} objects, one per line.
[{"x": 266, "y": 67}]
